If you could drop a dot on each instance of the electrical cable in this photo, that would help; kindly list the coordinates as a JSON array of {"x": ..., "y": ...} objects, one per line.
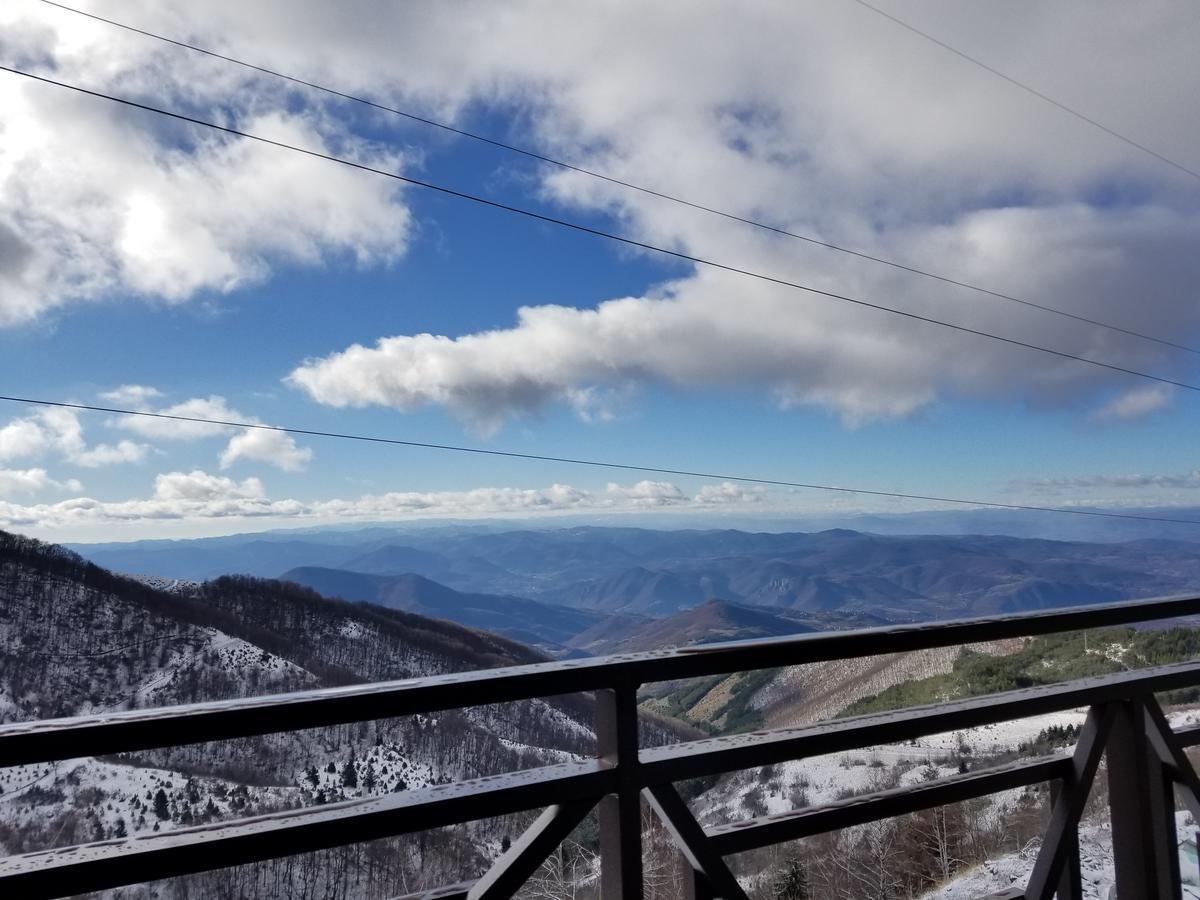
[{"x": 1046, "y": 98}]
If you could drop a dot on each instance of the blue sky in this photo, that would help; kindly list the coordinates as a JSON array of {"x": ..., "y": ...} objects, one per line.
[{"x": 201, "y": 269}]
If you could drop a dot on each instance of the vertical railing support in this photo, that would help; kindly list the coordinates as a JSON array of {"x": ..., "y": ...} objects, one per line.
[
  {"x": 620, "y": 813},
  {"x": 1062, "y": 834},
  {"x": 1141, "y": 807},
  {"x": 689, "y": 837},
  {"x": 695, "y": 885},
  {"x": 1070, "y": 885}
]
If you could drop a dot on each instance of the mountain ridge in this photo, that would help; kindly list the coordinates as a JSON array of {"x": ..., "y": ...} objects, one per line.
[
  {"x": 527, "y": 621},
  {"x": 647, "y": 572}
]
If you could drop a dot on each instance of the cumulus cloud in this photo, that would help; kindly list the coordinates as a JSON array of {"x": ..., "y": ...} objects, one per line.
[
  {"x": 695, "y": 337},
  {"x": 199, "y": 495},
  {"x": 646, "y": 493},
  {"x": 907, "y": 172},
  {"x": 199, "y": 485},
  {"x": 136, "y": 395},
  {"x": 1024, "y": 200},
  {"x": 1135, "y": 404},
  {"x": 729, "y": 493},
  {"x": 274, "y": 447},
  {"x": 111, "y": 454},
  {"x": 133, "y": 207},
  {"x": 713, "y": 330},
  {"x": 60, "y": 431},
  {"x": 32, "y": 481},
  {"x": 259, "y": 445},
  {"x": 22, "y": 438},
  {"x": 212, "y": 407}
]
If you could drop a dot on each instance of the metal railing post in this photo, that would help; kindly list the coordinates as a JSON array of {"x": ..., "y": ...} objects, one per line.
[{"x": 620, "y": 813}]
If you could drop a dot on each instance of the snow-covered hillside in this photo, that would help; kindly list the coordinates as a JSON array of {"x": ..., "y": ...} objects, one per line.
[{"x": 75, "y": 639}]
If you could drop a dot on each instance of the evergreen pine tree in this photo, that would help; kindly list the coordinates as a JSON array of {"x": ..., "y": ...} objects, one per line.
[
  {"x": 161, "y": 809},
  {"x": 793, "y": 883}
]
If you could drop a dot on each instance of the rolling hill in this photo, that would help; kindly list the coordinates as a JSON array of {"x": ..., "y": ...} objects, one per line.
[{"x": 523, "y": 620}]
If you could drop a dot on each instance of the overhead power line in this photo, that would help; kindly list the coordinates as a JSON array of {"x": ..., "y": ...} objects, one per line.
[
  {"x": 591, "y": 463},
  {"x": 592, "y": 173},
  {"x": 607, "y": 235},
  {"x": 1045, "y": 98}
]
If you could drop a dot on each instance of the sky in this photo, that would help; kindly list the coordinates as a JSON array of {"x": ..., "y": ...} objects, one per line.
[{"x": 154, "y": 265}]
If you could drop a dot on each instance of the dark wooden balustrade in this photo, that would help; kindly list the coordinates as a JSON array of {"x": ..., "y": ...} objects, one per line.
[{"x": 1125, "y": 725}]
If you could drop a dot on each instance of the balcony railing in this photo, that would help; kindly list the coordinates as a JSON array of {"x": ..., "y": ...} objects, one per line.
[{"x": 1145, "y": 758}]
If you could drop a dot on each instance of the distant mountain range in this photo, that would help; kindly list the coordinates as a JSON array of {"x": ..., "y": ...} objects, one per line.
[{"x": 575, "y": 576}]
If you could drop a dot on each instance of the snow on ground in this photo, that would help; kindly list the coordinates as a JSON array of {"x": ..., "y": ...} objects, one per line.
[
  {"x": 1096, "y": 867},
  {"x": 1182, "y": 717},
  {"x": 167, "y": 585},
  {"x": 560, "y": 719},
  {"x": 1000, "y": 737},
  {"x": 120, "y": 798},
  {"x": 551, "y": 755},
  {"x": 824, "y": 779},
  {"x": 383, "y": 769},
  {"x": 353, "y": 629},
  {"x": 234, "y": 656}
]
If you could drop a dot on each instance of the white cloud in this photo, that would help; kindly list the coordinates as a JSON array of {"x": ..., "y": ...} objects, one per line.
[
  {"x": 104, "y": 203},
  {"x": 32, "y": 481},
  {"x": 212, "y": 407},
  {"x": 901, "y": 168},
  {"x": 199, "y": 485},
  {"x": 1135, "y": 404},
  {"x": 261, "y": 445},
  {"x": 274, "y": 447},
  {"x": 136, "y": 395},
  {"x": 59, "y": 431},
  {"x": 729, "y": 493},
  {"x": 646, "y": 493},
  {"x": 715, "y": 330},
  {"x": 199, "y": 495},
  {"x": 1134, "y": 481},
  {"x": 111, "y": 454},
  {"x": 21, "y": 438},
  {"x": 877, "y": 143}
]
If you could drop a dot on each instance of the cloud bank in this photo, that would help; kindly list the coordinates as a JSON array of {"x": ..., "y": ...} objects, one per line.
[{"x": 199, "y": 495}]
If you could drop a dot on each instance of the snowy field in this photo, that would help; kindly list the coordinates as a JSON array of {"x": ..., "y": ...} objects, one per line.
[
  {"x": 819, "y": 780},
  {"x": 1096, "y": 868},
  {"x": 824, "y": 779}
]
